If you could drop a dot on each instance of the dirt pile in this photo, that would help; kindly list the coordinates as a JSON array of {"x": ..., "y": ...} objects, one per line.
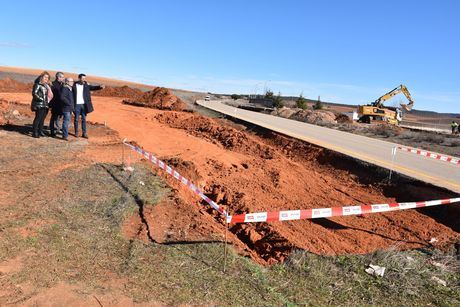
[
  {"x": 284, "y": 112},
  {"x": 279, "y": 173},
  {"x": 314, "y": 117},
  {"x": 119, "y": 91},
  {"x": 3, "y": 111},
  {"x": 307, "y": 116},
  {"x": 343, "y": 119},
  {"x": 159, "y": 98},
  {"x": 383, "y": 130},
  {"x": 9, "y": 111},
  {"x": 206, "y": 128},
  {"x": 12, "y": 86},
  {"x": 251, "y": 171}
]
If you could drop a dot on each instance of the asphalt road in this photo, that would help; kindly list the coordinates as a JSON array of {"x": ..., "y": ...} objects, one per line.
[{"x": 439, "y": 173}]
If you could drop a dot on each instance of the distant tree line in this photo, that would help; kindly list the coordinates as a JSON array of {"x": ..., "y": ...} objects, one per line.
[{"x": 277, "y": 100}]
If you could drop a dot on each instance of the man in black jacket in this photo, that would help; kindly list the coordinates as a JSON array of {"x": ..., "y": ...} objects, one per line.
[
  {"x": 83, "y": 104},
  {"x": 67, "y": 106},
  {"x": 55, "y": 103}
]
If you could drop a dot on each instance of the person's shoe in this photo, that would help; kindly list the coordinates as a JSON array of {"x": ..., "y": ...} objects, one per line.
[
  {"x": 35, "y": 135},
  {"x": 65, "y": 139},
  {"x": 84, "y": 136},
  {"x": 42, "y": 133},
  {"x": 53, "y": 135}
]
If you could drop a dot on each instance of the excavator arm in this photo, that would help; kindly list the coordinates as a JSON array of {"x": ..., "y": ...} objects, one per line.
[{"x": 400, "y": 89}]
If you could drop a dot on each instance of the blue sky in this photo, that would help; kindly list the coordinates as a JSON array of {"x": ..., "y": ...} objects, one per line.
[{"x": 344, "y": 51}]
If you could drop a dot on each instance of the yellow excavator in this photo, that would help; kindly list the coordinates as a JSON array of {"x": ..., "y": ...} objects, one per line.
[{"x": 376, "y": 111}]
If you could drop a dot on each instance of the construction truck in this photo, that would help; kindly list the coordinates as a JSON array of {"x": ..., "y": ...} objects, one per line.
[{"x": 376, "y": 111}]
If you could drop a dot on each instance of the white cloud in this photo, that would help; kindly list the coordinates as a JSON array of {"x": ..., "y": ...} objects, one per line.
[{"x": 14, "y": 45}]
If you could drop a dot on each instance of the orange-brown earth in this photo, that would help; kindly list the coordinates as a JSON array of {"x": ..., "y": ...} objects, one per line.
[
  {"x": 119, "y": 91},
  {"x": 249, "y": 172},
  {"x": 31, "y": 74},
  {"x": 158, "y": 98},
  {"x": 11, "y": 85}
]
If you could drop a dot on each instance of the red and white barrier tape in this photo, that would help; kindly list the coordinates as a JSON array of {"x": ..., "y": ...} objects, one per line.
[
  {"x": 429, "y": 154},
  {"x": 290, "y": 215},
  {"x": 178, "y": 176}
]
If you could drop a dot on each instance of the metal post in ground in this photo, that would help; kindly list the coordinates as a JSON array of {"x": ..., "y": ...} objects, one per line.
[
  {"x": 393, "y": 155},
  {"x": 123, "y": 153},
  {"x": 130, "y": 168},
  {"x": 225, "y": 247}
]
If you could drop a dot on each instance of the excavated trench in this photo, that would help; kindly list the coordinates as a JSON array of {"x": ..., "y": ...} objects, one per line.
[
  {"x": 275, "y": 172},
  {"x": 258, "y": 170}
]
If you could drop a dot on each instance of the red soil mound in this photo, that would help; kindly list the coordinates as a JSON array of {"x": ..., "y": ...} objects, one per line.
[
  {"x": 159, "y": 98},
  {"x": 12, "y": 110},
  {"x": 279, "y": 173},
  {"x": 3, "y": 110},
  {"x": 13, "y": 86},
  {"x": 261, "y": 171},
  {"x": 120, "y": 91}
]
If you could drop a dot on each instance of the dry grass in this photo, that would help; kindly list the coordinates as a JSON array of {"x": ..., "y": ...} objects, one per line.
[
  {"x": 84, "y": 245},
  {"x": 81, "y": 243}
]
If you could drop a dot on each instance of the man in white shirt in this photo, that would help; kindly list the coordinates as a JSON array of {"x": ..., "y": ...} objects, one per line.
[{"x": 83, "y": 104}]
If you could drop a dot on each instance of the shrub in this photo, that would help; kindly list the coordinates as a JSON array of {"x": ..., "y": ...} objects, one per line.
[
  {"x": 431, "y": 138},
  {"x": 318, "y": 105},
  {"x": 278, "y": 101},
  {"x": 301, "y": 102},
  {"x": 269, "y": 94}
]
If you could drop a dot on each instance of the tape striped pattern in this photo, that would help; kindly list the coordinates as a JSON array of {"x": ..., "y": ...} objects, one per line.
[
  {"x": 291, "y": 215},
  {"x": 178, "y": 177},
  {"x": 432, "y": 155}
]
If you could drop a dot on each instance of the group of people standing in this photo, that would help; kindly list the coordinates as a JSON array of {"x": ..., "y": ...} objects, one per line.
[{"x": 63, "y": 97}]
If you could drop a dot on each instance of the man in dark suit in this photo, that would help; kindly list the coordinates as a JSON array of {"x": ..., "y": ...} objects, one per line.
[
  {"x": 55, "y": 103},
  {"x": 83, "y": 104}
]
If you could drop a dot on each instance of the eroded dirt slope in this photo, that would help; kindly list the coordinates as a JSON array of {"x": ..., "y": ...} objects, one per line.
[{"x": 250, "y": 172}]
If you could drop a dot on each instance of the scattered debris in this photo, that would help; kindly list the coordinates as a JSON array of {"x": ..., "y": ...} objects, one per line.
[
  {"x": 129, "y": 169},
  {"x": 439, "y": 281},
  {"x": 375, "y": 270},
  {"x": 438, "y": 264}
]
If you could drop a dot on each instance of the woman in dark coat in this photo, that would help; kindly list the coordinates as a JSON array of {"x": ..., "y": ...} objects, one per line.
[{"x": 40, "y": 98}]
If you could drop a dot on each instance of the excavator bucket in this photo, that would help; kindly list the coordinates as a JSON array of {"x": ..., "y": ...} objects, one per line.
[{"x": 408, "y": 106}]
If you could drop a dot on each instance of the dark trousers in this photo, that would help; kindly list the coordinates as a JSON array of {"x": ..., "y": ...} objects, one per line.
[
  {"x": 65, "y": 124},
  {"x": 54, "y": 122},
  {"x": 80, "y": 111},
  {"x": 39, "y": 120}
]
